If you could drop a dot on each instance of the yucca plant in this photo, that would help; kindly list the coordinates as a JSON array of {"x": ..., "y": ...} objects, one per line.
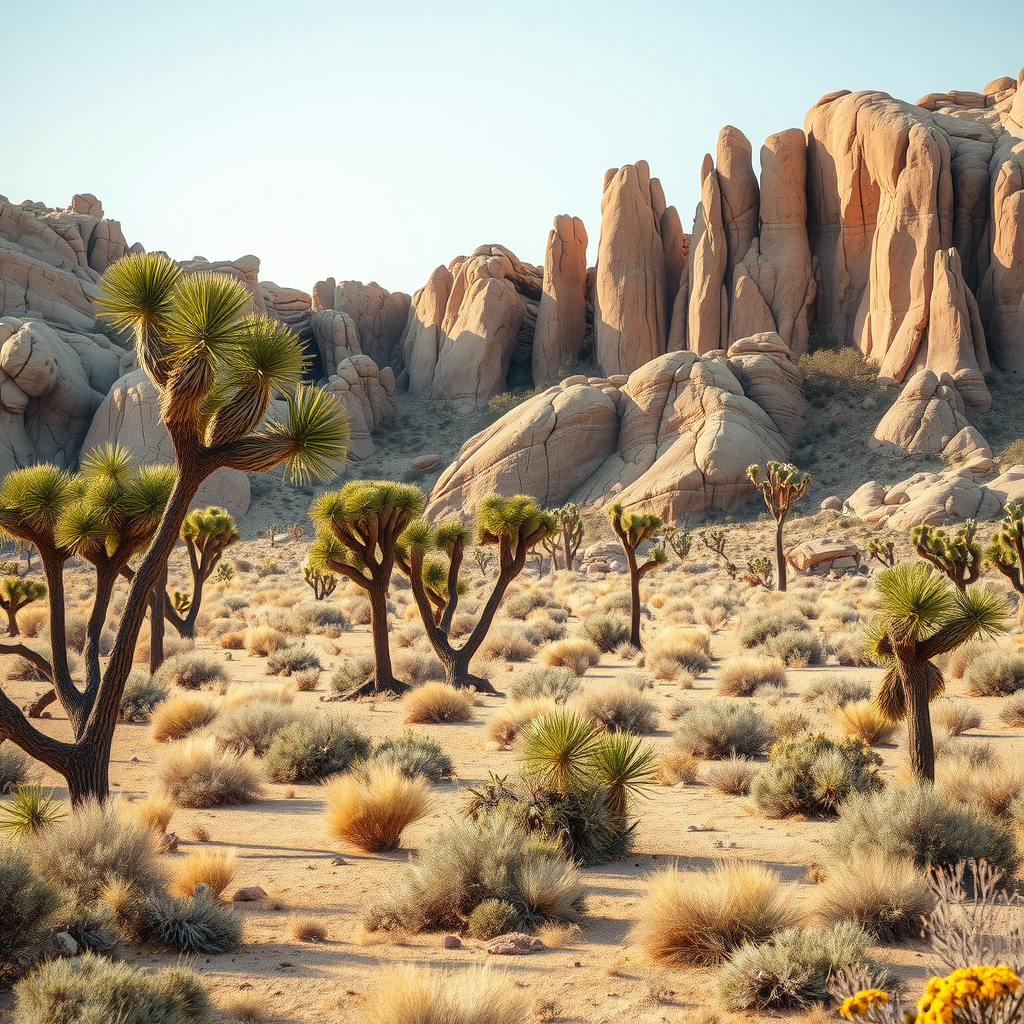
[
  {"x": 920, "y": 617},
  {"x": 625, "y": 767},
  {"x": 557, "y": 750},
  {"x": 29, "y": 809},
  {"x": 216, "y": 368},
  {"x": 15, "y": 593},
  {"x": 514, "y": 526},
  {"x": 783, "y": 486},
  {"x": 958, "y": 557},
  {"x": 634, "y": 529},
  {"x": 321, "y": 583},
  {"x": 569, "y": 537},
  {"x": 883, "y": 551}
]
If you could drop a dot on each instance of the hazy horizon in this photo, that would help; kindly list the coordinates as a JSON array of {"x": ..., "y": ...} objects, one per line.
[{"x": 374, "y": 141}]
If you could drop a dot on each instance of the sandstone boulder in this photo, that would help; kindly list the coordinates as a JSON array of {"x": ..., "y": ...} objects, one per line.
[
  {"x": 708, "y": 310},
  {"x": 822, "y": 554},
  {"x": 379, "y": 315},
  {"x": 562, "y": 318},
  {"x": 245, "y": 269},
  {"x": 764, "y": 366},
  {"x": 925, "y": 418},
  {"x": 336, "y": 337},
  {"x": 367, "y": 394}
]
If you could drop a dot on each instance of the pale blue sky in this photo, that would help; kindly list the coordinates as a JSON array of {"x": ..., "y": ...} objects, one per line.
[{"x": 376, "y": 140}]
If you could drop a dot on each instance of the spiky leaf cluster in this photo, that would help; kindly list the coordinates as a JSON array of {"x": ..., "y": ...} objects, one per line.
[
  {"x": 958, "y": 556},
  {"x": 783, "y": 486},
  {"x": 516, "y": 520},
  {"x": 1006, "y": 549}
]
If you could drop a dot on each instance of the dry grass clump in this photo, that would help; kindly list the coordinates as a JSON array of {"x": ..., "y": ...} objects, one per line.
[
  {"x": 723, "y": 729},
  {"x": 509, "y": 641},
  {"x": 576, "y": 654},
  {"x": 995, "y": 674},
  {"x": 677, "y": 768},
  {"x": 370, "y": 811},
  {"x": 539, "y": 681},
  {"x": 886, "y": 895},
  {"x": 320, "y": 617},
  {"x": 679, "y": 661},
  {"x": 140, "y": 696},
  {"x": 549, "y": 628},
  {"x": 250, "y": 727},
  {"x": 246, "y": 1010},
  {"x": 741, "y": 677},
  {"x": 605, "y": 631},
  {"x": 956, "y": 663},
  {"x": 189, "y": 671},
  {"x": 697, "y": 918},
  {"x": 509, "y": 721},
  {"x": 257, "y": 693},
  {"x": 262, "y": 641},
  {"x": 955, "y": 716},
  {"x": 437, "y": 702},
  {"x": 861, "y": 718},
  {"x": 1012, "y": 711},
  {"x": 849, "y": 646},
  {"x": 180, "y": 714},
  {"x": 198, "y": 773},
  {"x": 307, "y": 929},
  {"x": 790, "y": 724},
  {"x": 757, "y": 629},
  {"x": 834, "y": 691},
  {"x": 155, "y": 811},
  {"x": 732, "y": 775},
  {"x": 32, "y": 619},
  {"x": 992, "y": 786},
  {"x": 215, "y": 868},
  {"x": 415, "y": 995},
  {"x": 417, "y": 667},
  {"x": 796, "y": 647},
  {"x": 232, "y": 639},
  {"x": 13, "y": 767},
  {"x": 616, "y": 706},
  {"x": 357, "y": 608},
  {"x": 519, "y": 605}
]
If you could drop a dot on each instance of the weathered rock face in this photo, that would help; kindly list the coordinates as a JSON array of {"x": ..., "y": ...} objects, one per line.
[
  {"x": 367, "y": 393},
  {"x": 928, "y": 414},
  {"x": 708, "y": 319},
  {"x": 763, "y": 364},
  {"x": 675, "y": 437},
  {"x": 562, "y": 317},
  {"x": 130, "y": 415},
  {"x": 337, "y": 338},
  {"x": 379, "y": 315}
]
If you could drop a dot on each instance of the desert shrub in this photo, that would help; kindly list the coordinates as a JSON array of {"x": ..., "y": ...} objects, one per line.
[
  {"x": 862, "y": 719},
  {"x": 617, "y": 601},
  {"x": 189, "y": 671},
  {"x": 370, "y": 811},
  {"x": 413, "y": 756},
  {"x": 13, "y": 766},
  {"x": 606, "y": 632},
  {"x": 995, "y": 674},
  {"x": 697, "y": 918},
  {"x": 95, "y": 988},
  {"x": 732, "y": 775},
  {"x": 141, "y": 695},
  {"x": 319, "y": 617},
  {"x": 919, "y": 823},
  {"x": 674, "y": 655},
  {"x": 619, "y": 707},
  {"x": 795, "y": 647},
  {"x": 357, "y": 608},
  {"x": 677, "y": 768},
  {"x": 814, "y": 775},
  {"x": 955, "y": 663},
  {"x": 1011, "y": 713},
  {"x": 232, "y": 639},
  {"x": 794, "y": 967},
  {"x": 290, "y": 660},
  {"x": 214, "y": 868},
  {"x": 155, "y": 811},
  {"x": 257, "y": 693},
  {"x": 490, "y": 918},
  {"x": 352, "y": 673},
  {"x": 955, "y": 716},
  {"x": 307, "y": 929},
  {"x": 264, "y": 640},
  {"x": 467, "y": 863},
  {"x": 789, "y": 724},
  {"x": 28, "y": 903},
  {"x": 832, "y": 691},
  {"x": 743, "y": 676},
  {"x": 548, "y": 627},
  {"x": 992, "y": 786},
  {"x": 887, "y": 896},
  {"x": 518, "y": 606},
  {"x": 418, "y": 667},
  {"x": 509, "y": 641},
  {"x": 557, "y": 683},
  {"x": 437, "y": 702},
  {"x": 192, "y": 924},
  {"x": 94, "y": 843},
  {"x": 761, "y": 627},
  {"x": 414, "y": 995},
  {"x": 313, "y": 748},
  {"x": 198, "y": 773},
  {"x": 307, "y": 680},
  {"x": 723, "y": 729},
  {"x": 250, "y": 727},
  {"x": 850, "y": 647},
  {"x": 19, "y": 669},
  {"x": 515, "y": 716},
  {"x": 576, "y": 654}
]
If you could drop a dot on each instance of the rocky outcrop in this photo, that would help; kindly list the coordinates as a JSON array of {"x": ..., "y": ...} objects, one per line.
[
  {"x": 562, "y": 317},
  {"x": 763, "y": 364},
  {"x": 245, "y": 270},
  {"x": 823, "y": 556},
  {"x": 708, "y": 311},
  {"x": 675, "y": 437},
  {"x": 380, "y": 316},
  {"x": 337, "y": 338},
  {"x": 367, "y": 394},
  {"x": 928, "y": 414}
]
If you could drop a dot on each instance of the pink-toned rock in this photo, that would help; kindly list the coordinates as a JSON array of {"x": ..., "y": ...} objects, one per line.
[
  {"x": 811, "y": 553},
  {"x": 833, "y": 503},
  {"x": 928, "y": 414},
  {"x": 367, "y": 394},
  {"x": 707, "y": 326},
  {"x": 425, "y": 462},
  {"x": 248, "y": 894},
  {"x": 741, "y": 198},
  {"x": 336, "y": 337},
  {"x": 969, "y": 446},
  {"x": 561, "y": 321},
  {"x": 764, "y": 366},
  {"x": 514, "y": 944},
  {"x": 379, "y": 315},
  {"x": 422, "y": 338}
]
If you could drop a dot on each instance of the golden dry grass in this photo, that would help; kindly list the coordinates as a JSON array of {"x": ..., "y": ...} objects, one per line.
[
  {"x": 993, "y": 785},
  {"x": 741, "y": 677},
  {"x": 233, "y": 641},
  {"x": 197, "y": 773},
  {"x": 677, "y": 768},
  {"x": 369, "y": 811},
  {"x": 307, "y": 929},
  {"x": 576, "y": 654},
  {"x": 437, "y": 702},
  {"x": 512, "y": 718},
  {"x": 182, "y": 712},
  {"x": 155, "y": 811},
  {"x": 215, "y": 868},
  {"x": 861, "y": 718},
  {"x": 262, "y": 641},
  {"x": 266, "y": 693},
  {"x": 246, "y": 1010}
]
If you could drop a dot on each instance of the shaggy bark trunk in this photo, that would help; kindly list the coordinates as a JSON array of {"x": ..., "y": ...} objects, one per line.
[
  {"x": 157, "y": 599},
  {"x": 12, "y": 622},
  {"x": 634, "y": 599},
  {"x": 780, "y": 558},
  {"x": 919, "y": 724}
]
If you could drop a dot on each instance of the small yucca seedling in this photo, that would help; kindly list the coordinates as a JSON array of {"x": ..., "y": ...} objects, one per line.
[
  {"x": 30, "y": 808},
  {"x": 557, "y": 749}
]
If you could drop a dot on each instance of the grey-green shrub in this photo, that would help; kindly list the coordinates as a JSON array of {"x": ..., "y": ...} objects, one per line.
[
  {"x": 252, "y": 726},
  {"x": 619, "y": 707},
  {"x": 793, "y": 968},
  {"x": 723, "y": 729},
  {"x": 93, "y": 988},
  {"x": 756, "y": 629},
  {"x": 13, "y": 766},
  {"x": 193, "y": 924},
  {"x": 834, "y": 691},
  {"x": 492, "y": 917},
  {"x": 312, "y": 748},
  {"x": 190, "y": 670},
  {"x": 606, "y": 631},
  {"x": 1011, "y": 713},
  {"x": 518, "y": 606},
  {"x": 28, "y": 903},
  {"x": 290, "y": 660},
  {"x": 414, "y": 755},
  {"x": 795, "y": 647},
  {"x": 352, "y": 673},
  {"x": 141, "y": 694},
  {"x": 319, "y": 617},
  {"x": 544, "y": 681},
  {"x": 813, "y": 775},
  {"x": 995, "y": 674}
]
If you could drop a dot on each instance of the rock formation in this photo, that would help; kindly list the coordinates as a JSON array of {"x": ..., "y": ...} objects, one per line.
[
  {"x": 379, "y": 315},
  {"x": 367, "y": 393},
  {"x": 562, "y": 318}
]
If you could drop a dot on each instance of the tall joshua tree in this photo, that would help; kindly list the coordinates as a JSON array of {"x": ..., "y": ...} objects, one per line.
[
  {"x": 1006, "y": 551},
  {"x": 569, "y": 537},
  {"x": 634, "y": 529},
  {"x": 958, "y": 557},
  {"x": 514, "y": 526},
  {"x": 216, "y": 369},
  {"x": 920, "y": 617},
  {"x": 15, "y": 593},
  {"x": 783, "y": 486},
  {"x": 358, "y": 528}
]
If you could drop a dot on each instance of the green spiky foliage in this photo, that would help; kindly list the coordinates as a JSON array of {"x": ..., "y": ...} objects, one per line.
[
  {"x": 759, "y": 571},
  {"x": 513, "y": 527},
  {"x": 958, "y": 557},
  {"x": 358, "y": 529},
  {"x": 1006, "y": 550},
  {"x": 216, "y": 369},
  {"x": 680, "y": 541},
  {"x": 714, "y": 539},
  {"x": 634, "y": 529},
  {"x": 15, "y": 593},
  {"x": 783, "y": 486},
  {"x": 569, "y": 537},
  {"x": 321, "y": 583},
  {"x": 920, "y": 617},
  {"x": 883, "y": 550},
  {"x": 30, "y": 808},
  {"x": 207, "y": 533}
]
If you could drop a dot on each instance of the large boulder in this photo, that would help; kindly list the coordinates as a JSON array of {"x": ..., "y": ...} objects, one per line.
[
  {"x": 562, "y": 318},
  {"x": 379, "y": 315},
  {"x": 367, "y": 394},
  {"x": 928, "y": 414},
  {"x": 764, "y": 366}
]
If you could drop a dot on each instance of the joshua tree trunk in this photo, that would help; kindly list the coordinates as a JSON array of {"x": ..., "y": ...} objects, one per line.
[
  {"x": 12, "y": 621},
  {"x": 780, "y": 557},
  {"x": 634, "y": 599},
  {"x": 919, "y": 724}
]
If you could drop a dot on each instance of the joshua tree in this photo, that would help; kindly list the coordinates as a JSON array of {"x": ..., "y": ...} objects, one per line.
[
  {"x": 357, "y": 530},
  {"x": 15, "y": 593},
  {"x": 514, "y": 526},
  {"x": 781, "y": 489},
  {"x": 1006, "y": 550},
  {"x": 570, "y": 535},
  {"x": 321, "y": 583},
  {"x": 883, "y": 550},
  {"x": 921, "y": 616},
  {"x": 207, "y": 534},
  {"x": 681, "y": 541},
  {"x": 634, "y": 529},
  {"x": 958, "y": 557},
  {"x": 216, "y": 369},
  {"x": 714, "y": 539}
]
